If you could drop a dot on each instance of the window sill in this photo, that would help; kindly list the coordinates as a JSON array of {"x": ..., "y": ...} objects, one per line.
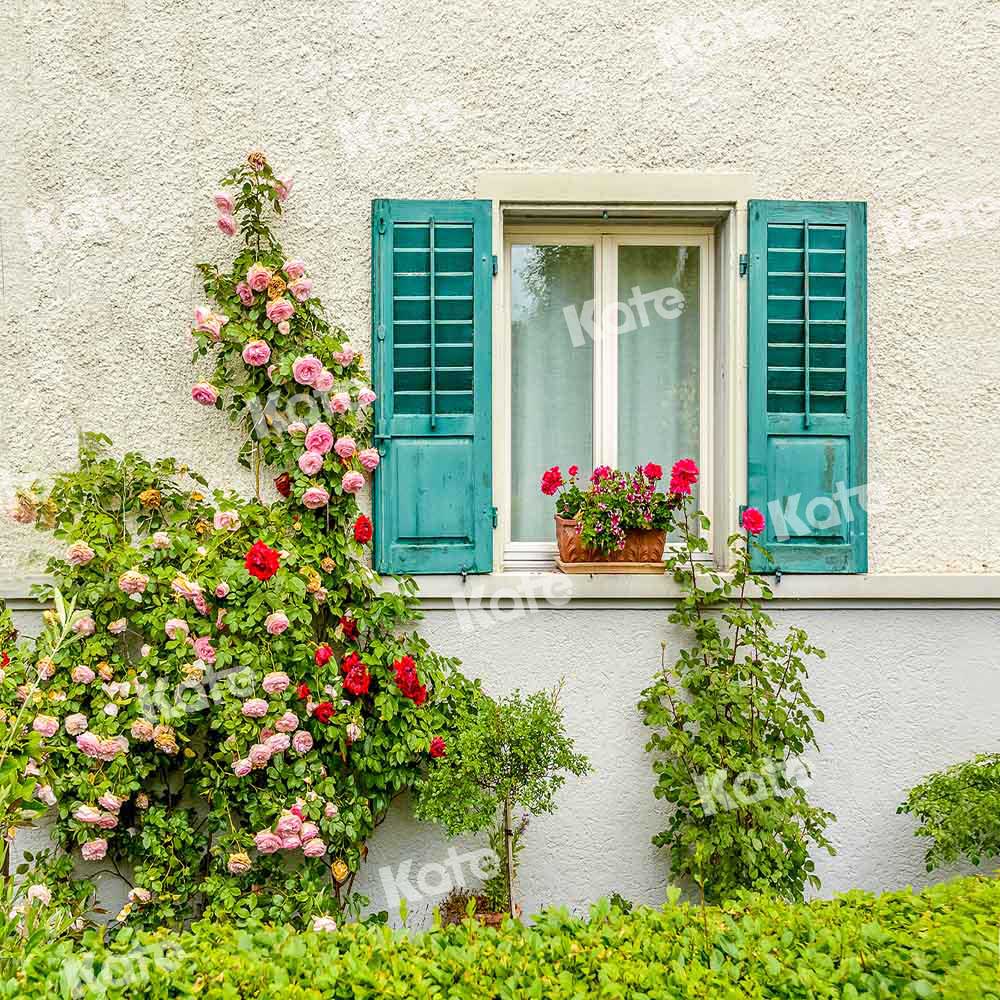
[{"x": 554, "y": 590}]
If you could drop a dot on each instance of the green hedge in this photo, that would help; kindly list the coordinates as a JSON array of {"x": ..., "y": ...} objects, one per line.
[{"x": 938, "y": 943}]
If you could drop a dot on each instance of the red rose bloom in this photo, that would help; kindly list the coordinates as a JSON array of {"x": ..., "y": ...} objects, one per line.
[
  {"x": 283, "y": 484},
  {"x": 573, "y": 470},
  {"x": 324, "y": 711},
  {"x": 262, "y": 561},
  {"x": 349, "y": 662},
  {"x": 357, "y": 680},
  {"x": 323, "y": 655},
  {"x": 551, "y": 480},
  {"x": 653, "y": 471},
  {"x": 349, "y": 627},
  {"x": 753, "y": 521},
  {"x": 362, "y": 530},
  {"x": 408, "y": 682},
  {"x": 437, "y": 747},
  {"x": 683, "y": 476},
  {"x": 303, "y": 691}
]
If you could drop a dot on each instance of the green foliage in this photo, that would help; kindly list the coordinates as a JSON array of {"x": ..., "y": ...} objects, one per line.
[
  {"x": 940, "y": 943},
  {"x": 164, "y": 639},
  {"x": 959, "y": 809},
  {"x": 511, "y": 754},
  {"x": 731, "y": 718}
]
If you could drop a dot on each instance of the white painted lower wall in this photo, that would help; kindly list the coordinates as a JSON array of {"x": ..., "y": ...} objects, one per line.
[{"x": 906, "y": 690}]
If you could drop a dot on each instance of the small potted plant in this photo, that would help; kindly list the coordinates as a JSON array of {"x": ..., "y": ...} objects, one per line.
[
  {"x": 513, "y": 754},
  {"x": 620, "y": 522}
]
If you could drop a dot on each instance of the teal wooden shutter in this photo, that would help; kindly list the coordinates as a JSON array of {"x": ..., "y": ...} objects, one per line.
[
  {"x": 807, "y": 384},
  {"x": 432, "y": 279}
]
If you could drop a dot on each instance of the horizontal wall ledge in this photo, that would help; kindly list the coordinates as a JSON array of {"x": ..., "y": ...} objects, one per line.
[{"x": 559, "y": 590}]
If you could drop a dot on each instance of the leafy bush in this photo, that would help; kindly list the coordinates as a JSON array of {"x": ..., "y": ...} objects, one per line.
[
  {"x": 940, "y": 943},
  {"x": 959, "y": 809},
  {"x": 513, "y": 754},
  {"x": 731, "y": 719},
  {"x": 229, "y": 702}
]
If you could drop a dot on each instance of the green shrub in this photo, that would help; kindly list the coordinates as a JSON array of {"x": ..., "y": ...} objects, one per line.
[
  {"x": 959, "y": 809},
  {"x": 940, "y": 943}
]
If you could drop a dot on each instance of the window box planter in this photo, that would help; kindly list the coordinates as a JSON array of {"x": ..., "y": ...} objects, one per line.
[{"x": 642, "y": 553}]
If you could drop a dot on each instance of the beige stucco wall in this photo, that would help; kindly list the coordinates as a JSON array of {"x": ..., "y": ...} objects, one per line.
[{"x": 119, "y": 116}]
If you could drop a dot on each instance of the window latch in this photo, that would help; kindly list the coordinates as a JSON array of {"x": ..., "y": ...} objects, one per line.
[
  {"x": 777, "y": 575},
  {"x": 744, "y": 265},
  {"x": 465, "y": 575}
]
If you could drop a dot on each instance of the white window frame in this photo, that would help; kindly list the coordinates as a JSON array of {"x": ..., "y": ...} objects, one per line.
[{"x": 606, "y": 239}]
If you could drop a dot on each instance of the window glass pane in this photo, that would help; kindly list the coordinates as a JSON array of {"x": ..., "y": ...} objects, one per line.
[
  {"x": 552, "y": 374},
  {"x": 658, "y": 354}
]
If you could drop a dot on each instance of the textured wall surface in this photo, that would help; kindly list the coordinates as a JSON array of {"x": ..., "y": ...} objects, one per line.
[
  {"x": 120, "y": 115},
  {"x": 905, "y": 691}
]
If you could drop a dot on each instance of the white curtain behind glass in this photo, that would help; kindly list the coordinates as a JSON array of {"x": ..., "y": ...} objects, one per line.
[{"x": 552, "y": 376}]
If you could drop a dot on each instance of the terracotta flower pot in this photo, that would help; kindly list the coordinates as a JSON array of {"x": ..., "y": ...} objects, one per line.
[{"x": 642, "y": 552}]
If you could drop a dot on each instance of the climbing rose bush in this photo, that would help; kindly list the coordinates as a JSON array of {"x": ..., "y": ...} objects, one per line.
[{"x": 233, "y": 702}]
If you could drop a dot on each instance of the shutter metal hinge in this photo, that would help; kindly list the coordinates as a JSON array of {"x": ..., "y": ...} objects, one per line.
[
  {"x": 744, "y": 265},
  {"x": 493, "y": 510},
  {"x": 380, "y": 331},
  {"x": 496, "y": 266},
  {"x": 381, "y": 225}
]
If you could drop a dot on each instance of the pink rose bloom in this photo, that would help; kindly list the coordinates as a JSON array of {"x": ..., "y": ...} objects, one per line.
[
  {"x": 258, "y": 277},
  {"x": 324, "y": 381},
  {"x": 302, "y": 742},
  {"x": 204, "y": 649},
  {"x": 85, "y": 626},
  {"x": 283, "y": 187},
  {"x": 176, "y": 627},
  {"x": 352, "y": 482},
  {"x": 259, "y": 755},
  {"x": 89, "y": 744},
  {"x": 306, "y": 368},
  {"x": 297, "y": 427},
  {"x": 255, "y": 708},
  {"x": 222, "y": 590},
  {"x": 283, "y": 327},
  {"x": 110, "y": 802},
  {"x": 133, "y": 582},
  {"x": 366, "y": 397},
  {"x": 369, "y": 459},
  {"x": 242, "y": 767},
  {"x": 275, "y": 683},
  {"x": 330, "y": 810},
  {"x": 279, "y": 742},
  {"x": 226, "y": 520},
  {"x": 287, "y": 823},
  {"x": 110, "y": 749},
  {"x": 46, "y": 725},
  {"x": 290, "y": 842},
  {"x": 107, "y": 821},
  {"x": 288, "y": 723},
  {"x": 314, "y": 848},
  {"x": 294, "y": 268},
  {"x": 310, "y": 462},
  {"x": 279, "y": 310},
  {"x": 79, "y": 554},
  {"x": 204, "y": 393},
  {"x": 82, "y": 674},
  {"x": 319, "y": 438},
  {"x": 118, "y": 626},
  {"x": 308, "y": 831},
  {"x": 753, "y": 521},
  {"x": 266, "y": 842},
  {"x": 345, "y": 447},
  {"x": 345, "y": 356},
  {"x": 94, "y": 850},
  {"x": 275, "y": 624},
  {"x": 324, "y": 925},
  {"x": 238, "y": 864},
  {"x": 257, "y": 353},
  {"x": 142, "y": 730},
  {"x": 46, "y": 795},
  {"x": 227, "y": 225},
  {"x": 209, "y": 322},
  {"x": 184, "y": 587},
  {"x": 87, "y": 815},
  {"x": 161, "y": 540},
  {"x": 224, "y": 202},
  {"x": 75, "y": 723},
  {"x": 315, "y": 497},
  {"x": 301, "y": 288},
  {"x": 245, "y": 292},
  {"x": 340, "y": 402}
]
